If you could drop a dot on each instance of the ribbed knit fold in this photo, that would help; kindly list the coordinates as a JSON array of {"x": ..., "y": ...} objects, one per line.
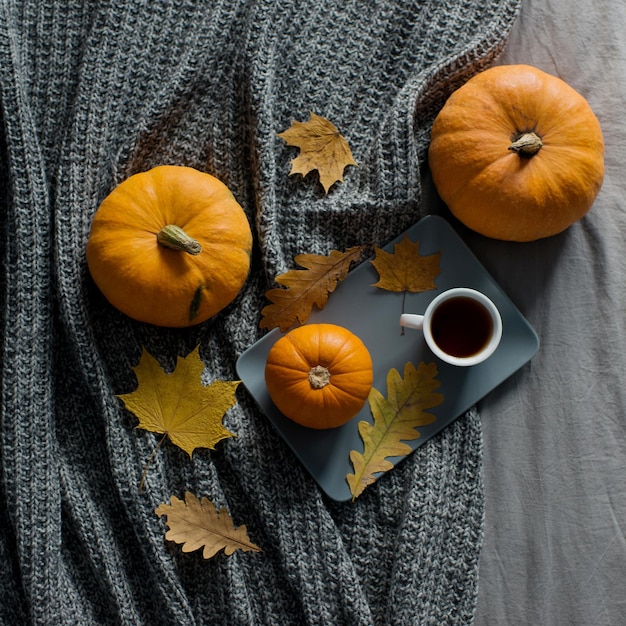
[
  {"x": 94, "y": 92},
  {"x": 29, "y": 455}
]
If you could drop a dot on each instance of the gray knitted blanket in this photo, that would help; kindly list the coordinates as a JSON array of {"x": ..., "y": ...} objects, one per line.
[{"x": 92, "y": 92}]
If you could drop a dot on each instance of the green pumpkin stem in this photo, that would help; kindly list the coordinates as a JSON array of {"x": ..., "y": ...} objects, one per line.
[
  {"x": 175, "y": 238},
  {"x": 526, "y": 144}
]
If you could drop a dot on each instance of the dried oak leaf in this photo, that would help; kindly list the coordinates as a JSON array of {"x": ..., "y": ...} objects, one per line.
[
  {"x": 306, "y": 287},
  {"x": 404, "y": 269},
  {"x": 178, "y": 405},
  {"x": 322, "y": 148},
  {"x": 197, "y": 524},
  {"x": 396, "y": 419}
]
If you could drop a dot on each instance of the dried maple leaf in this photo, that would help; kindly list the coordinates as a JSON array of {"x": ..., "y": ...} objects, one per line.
[
  {"x": 307, "y": 287},
  {"x": 178, "y": 405},
  {"x": 396, "y": 419},
  {"x": 404, "y": 269},
  {"x": 197, "y": 524},
  {"x": 322, "y": 148}
]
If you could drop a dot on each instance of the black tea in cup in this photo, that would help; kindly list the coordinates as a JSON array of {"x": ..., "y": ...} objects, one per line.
[{"x": 461, "y": 326}]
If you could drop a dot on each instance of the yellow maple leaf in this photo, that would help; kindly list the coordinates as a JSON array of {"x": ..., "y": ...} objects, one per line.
[
  {"x": 322, "y": 148},
  {"x": 197, "y": 524},
  {"x": 396, "y": 419},
  {"x": 307, "y": 287},
  {"x": 178, "y": 405},
  {"x": 404, "y": 269}
]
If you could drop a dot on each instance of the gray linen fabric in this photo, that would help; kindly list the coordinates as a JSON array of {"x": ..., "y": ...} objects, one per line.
[{"x": 92, "y": 92}]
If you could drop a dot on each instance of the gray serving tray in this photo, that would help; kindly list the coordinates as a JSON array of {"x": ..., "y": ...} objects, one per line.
[{"x": 373, "y": 315}]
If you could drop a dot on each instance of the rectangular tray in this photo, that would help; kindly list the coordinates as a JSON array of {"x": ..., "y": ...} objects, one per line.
[{"x": 373, "y": 315}]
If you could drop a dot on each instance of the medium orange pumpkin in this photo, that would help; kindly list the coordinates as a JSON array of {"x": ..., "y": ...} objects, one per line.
[
  {"x": 517, "y": 154},
  {"x": 319, "y": 375},
  {"x": 170, "y": 246}
]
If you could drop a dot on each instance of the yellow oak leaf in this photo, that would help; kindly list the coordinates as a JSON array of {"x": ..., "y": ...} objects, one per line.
[
  {"x": 404, "y": 269},
  {"x": 307, "y": 287},
  {"x": 322, "y": 148},
  {"x": 178, "y": 405},
  {"x": 396, "y": 419},
  {"x": 197, "y": 524}
]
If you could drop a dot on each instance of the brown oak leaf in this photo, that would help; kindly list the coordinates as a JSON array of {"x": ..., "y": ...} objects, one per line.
[
  {"x": 322, "y": 148},
  {"x": 396, "y": 419},
  {"x": 197, "y": 524},
  {"x": 306, "y": 287},
  {"x": 404, "y": 269}
]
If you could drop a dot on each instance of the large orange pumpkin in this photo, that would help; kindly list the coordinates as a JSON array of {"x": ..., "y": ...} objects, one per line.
[
  {"x": 517, "y": 154},
  {"x": 319, "y": 375},
  {"x": 170, "y": 246}
]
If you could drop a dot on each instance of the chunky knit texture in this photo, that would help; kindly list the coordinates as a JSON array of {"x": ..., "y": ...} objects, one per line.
[{"x": 92, "y": 92}]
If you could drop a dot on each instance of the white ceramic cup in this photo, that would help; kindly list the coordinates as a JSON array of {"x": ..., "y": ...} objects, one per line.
[{"x": 461, "y": 326}]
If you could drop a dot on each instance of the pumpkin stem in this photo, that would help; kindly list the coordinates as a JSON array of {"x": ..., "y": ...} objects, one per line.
[
  {"x": 175, "y": 238},
  {"x": 527, "y": 144},
  {"x": 319, "y": 377}
]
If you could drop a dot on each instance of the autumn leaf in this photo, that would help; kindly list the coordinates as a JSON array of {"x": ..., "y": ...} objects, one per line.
[
  {"x": 178, "y": 405},
  {"x": 322, "y": 148},
  {"x": 306, "y": 287},
  {"x": 404, "y": 269},
  {"x": 396, "y": 419},
  {"x": 197, "y": 524}
]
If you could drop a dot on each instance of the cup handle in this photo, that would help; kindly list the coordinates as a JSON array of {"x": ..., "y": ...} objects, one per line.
[{"x": 410, "y": 320}]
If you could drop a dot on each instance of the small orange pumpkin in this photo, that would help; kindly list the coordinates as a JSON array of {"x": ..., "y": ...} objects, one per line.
[
  {"x": 170, "y": 246},
  {"x": 319, "y": 375},
  {"x": 517, "y": 154}
]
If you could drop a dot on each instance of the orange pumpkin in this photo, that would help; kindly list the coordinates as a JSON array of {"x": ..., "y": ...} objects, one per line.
[
  {"x": 170, "y": 246},
  {"x": 319, "y": 375},
  {"x": 517, "y": 154}
]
